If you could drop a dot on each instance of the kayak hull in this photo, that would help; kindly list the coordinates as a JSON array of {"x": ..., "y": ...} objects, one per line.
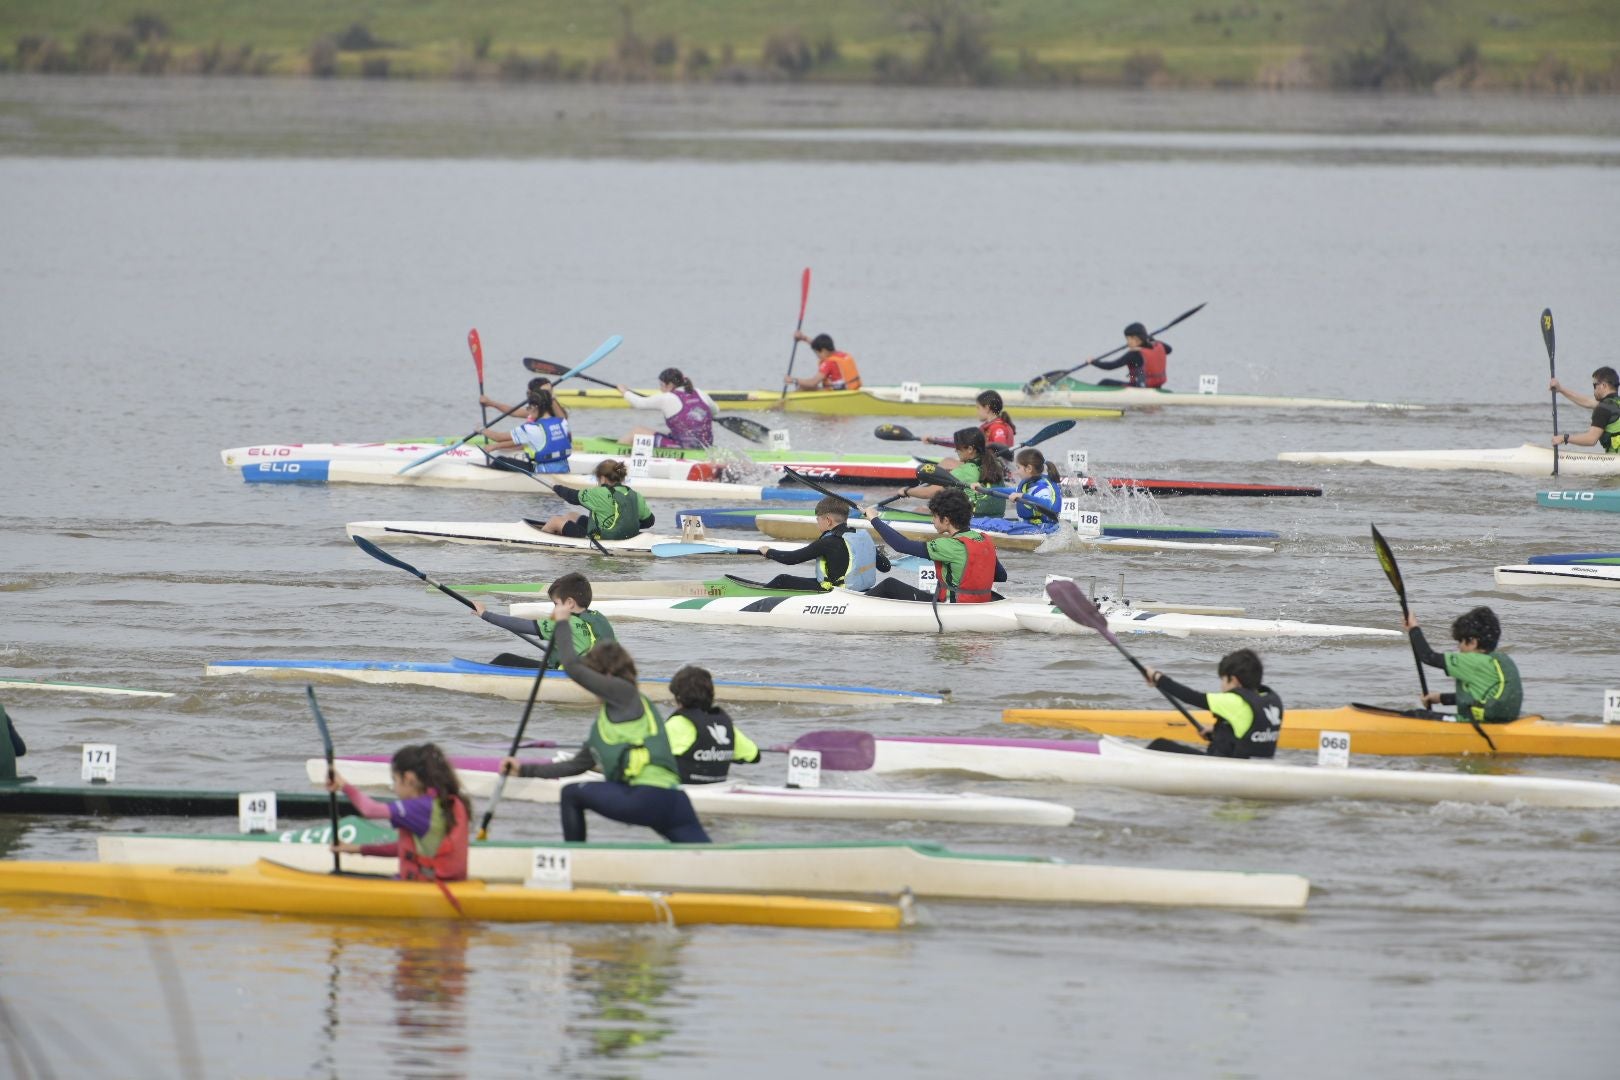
[
  {"x": 792, "y": 527},
  {"x": 519, "y": 534},
  {"x": 1526, "y": 460},
  {"x": 1580, "y": 500},
  {"x": 835, "y": 611},
  {"x": 1050, "y": 620},
  {"x": 1545, "y": 576},
  {"x": 1084, "y": 393},
  {"x": 882, "y": 401},
  {"x": 747, "y": 518}
]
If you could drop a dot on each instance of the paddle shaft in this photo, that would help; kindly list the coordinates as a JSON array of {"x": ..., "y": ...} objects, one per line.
[
  {"x": 382, "y": 556},
  {"x": 331, "y": 772},
  {"x": 793, "y": 353},
  {"x": 471, "y": 435},
  {"x": 1386, "y": 557},
  {"x": 1051, "y": 376},
  {"x": 809, "y": 483},
  {"x": 523, "y": 724},
  {"x": 1548, "y": 339}
]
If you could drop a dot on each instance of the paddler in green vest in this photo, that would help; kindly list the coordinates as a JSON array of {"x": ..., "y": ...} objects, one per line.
[
  {"x": 570, "y": 593},
  {"x": 977, "y": 468},
  {"x": 1488, "y": 688},
  {"x": 1605, "y": 405},
  {"x": 612, "y": 510},
  {"x": 12, "y": 747}
]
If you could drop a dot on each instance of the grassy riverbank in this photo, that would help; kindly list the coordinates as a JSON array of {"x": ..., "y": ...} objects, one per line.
[{"x": 1551, "y": 45}]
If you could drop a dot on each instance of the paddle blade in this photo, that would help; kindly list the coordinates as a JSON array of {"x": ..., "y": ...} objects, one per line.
[
  {"x": 1073, "y": 602},
  {"x": 1548, "y": 338},
  {"x": 382, "y": 556},
  {"x": 1040, "y": 384},
  {"x": 1050, "y": 431},
  {"x": 1183, "y": 317},
  {"x": 675, "y": 551},
  {"x": 752, "y": 430},
  {"x": 601, "y": 350},
  {"x": 542, "y": 367},
  {"x": 894, "y": 433},
  {"x": 930, "y": 473},
  {"x": 1386, "y": 559},
  {"x": 320, "y": 723},
  {"x": 804, "y": 295},
  {"x": 476, "y": 347},
  {"x": 841, "y": 751}
]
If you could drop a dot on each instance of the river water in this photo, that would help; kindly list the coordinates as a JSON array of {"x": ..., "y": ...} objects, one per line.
[{"x": 191, "y": 266}]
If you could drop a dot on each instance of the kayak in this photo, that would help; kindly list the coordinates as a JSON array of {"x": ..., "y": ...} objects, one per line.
[
  {"x": 1371, "y": 730},
  {"x": 1594, "y": 558},
  {"x": 8, "y": 683},
  {"x": 1064, "y": 538},
  {"x": 513, "y": 683},
  {"x": 1580, "y": 500},
  {"x": 478, "y": 778},
  {"x": 486, "y": 478},
  {"x": 878, "y": 401},
  {"x": 1163, "y": 488},
  {"x": 1111, "y": 763},
  {"x": 733, "y": 517},
  {"x": 861, "y": 867},
  {"x": 400, "y": 454},
  {"x": 1548, "y": 576},
  {"x": 22, "y": 796},
  {"x": 1048, "y": 619},
  {"x": 526, "y": 533},
  {"x": 1084, "y": 393},
  {"x": 1529, "y": 459},
  {"x": 268, "y": 889}
]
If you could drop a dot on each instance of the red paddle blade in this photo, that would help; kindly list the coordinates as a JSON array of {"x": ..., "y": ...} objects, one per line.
[
  {"x": 843, "y": 751},
  {"x": 804, "y": 294},
  {"x": 1072, "y": 601},
  {"x": 476, "y": 347}
]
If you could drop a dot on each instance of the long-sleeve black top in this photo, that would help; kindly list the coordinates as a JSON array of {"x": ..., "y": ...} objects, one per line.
[{"x": 621, "y": 698}]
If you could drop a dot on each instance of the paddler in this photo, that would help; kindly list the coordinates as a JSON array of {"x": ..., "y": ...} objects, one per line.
[
  {"x": 705, "y": 740},
  {"x": 543, "y": 435},
  {"x": 570, "y": 593},
  {"x": 845, "y": 557},
  {"x": 1144, "y": 359},
  {"x": 1248, "y": 714},
  {"x": 999, "y": 432},
  {"x": 1488, "y": 687},
  {"x": 431, "y": 815},
  {"x": 688, "y": 411},
  {"x": 834, "y": 371},
  {"x": 1038, "y": 496},
  {"x": 964, "y": 560},
  {"x": 12, "y": 747},
  {"x": 976, "y": 465},
  {"x": 628, "y": 744},
  {"x": 1605, "y": 406},
  {"x": 613, "y": 511}
]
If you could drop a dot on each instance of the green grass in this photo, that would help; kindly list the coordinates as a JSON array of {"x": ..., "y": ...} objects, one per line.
[{"x": 1201, "y": 41}]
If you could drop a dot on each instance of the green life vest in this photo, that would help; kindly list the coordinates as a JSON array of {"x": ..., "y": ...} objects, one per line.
[
  {"x": 1488, "y": 687},
  {"x": 589, "y": 627},
  {"x": 614, "y": 512},
  {"x": 1610, "y": 439},
  {"x": 984, "y": 505},
  {"x": 635, "y": 751}
]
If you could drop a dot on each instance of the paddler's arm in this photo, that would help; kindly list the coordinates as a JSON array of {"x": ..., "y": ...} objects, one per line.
[
  {"x": 1586, "y": 401},
  {"x": 510, "y": 622},
  {"x": 550, "y": 770},
  {"x": 746, "y": 752},
  {"x": 18, "y": 747},
  {"x": 622, "y": 698},
  {"x": 1420, "y": 647},
  {"x": 815, "y": 549},
  {"x": 894, "y": 539},
  {"x": 567, "y": 494},
  {"x": 1187, "y": 694}
]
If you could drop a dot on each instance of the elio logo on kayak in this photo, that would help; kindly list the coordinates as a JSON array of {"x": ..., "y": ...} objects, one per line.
[
  {"x": 280, "y": 466},
  {"x": 1570, "y": 496},
  {"x": 825, "y": 609},
  {"x": 269, "y": 451}
]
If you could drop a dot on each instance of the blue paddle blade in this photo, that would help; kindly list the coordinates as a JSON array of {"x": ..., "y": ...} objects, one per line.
[
  {"x": 675, "y": 551},
  {"x": 601, "y": 350}
]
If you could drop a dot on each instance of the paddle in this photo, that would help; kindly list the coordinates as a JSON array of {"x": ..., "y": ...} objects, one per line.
[
  {"x": 546, "y": 367},
  {"x": 331, "y": 772},
  {"x": 382, "y": 556},
  {"x": 896, "y": 433},
  {"x": 471, "y": 435},
  {"x": 1552, "y": 372},
  {"x": 601, "y": 350},
  {"x": 476, "y": 347},
  {"x": 793, "y": 354},
  {"x": 675, "y": 551},
  {"x": 752, "y": 430},
  {"x": 1073, "y": 602},
  {"x": 1040, "y": 383},
  {"x": 523, "y": 724},
  {"x": 841, "y": 751}
]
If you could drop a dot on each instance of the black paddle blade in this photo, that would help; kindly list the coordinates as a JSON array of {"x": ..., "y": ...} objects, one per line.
[
  {"x": 1073, "y": 602},
  {"x": 930, "y": 473},
  {"x": 894, "y": 433},
  {"x": 1040, "y": 384},
  {"x": 752, "y": 430},
  {"x": 1386, "y": 559},
  {"x": 809, "y": 483},
  {"x": 1547, "y": 334},
  {"x": 382, "y": 556},
  {"x": 542, "y": 367},
  {"x": 320, "y": 721}
]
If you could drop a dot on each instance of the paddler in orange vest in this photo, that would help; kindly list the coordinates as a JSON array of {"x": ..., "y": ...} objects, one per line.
[
  {"x": 431, "y": 816},
  {"x": 837, "y": 370},
  {"x": 1145, "y": 360},
  {"x": 964, "y": 560}
]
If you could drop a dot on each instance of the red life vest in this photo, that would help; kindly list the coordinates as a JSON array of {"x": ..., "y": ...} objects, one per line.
[
  {"x": 848, "y": 377},
  {"x": 978, "y": 577},
  {"x": 998, "y": 430},
  {"x": 449, "y": 863},
  {"x": 1153, "y": 365}
]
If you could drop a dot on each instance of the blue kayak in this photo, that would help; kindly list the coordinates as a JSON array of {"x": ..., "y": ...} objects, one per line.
[
  {"x": 1580, "y": 500},
  {"x": 1589, "y": 558}
]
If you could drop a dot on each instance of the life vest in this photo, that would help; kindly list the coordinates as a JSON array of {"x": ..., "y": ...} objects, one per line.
[
  {"x": 588, "y": 627},
  {"x": 1260, "y": 740},
  {"x": 1153, "y": 357},
  {"x": 693, "y": 426},
  {"x": 848, "y": 377},
  {"x": 997, "y": 430},
  {"x": 622, "y": 520},
  {"x": 546, "y": 441},
  {"x": 984, "y": 504},
  {"x": 634, "y": 752},
  {"x": 708, "y": 760},
  {"x": 977, "y": 585},
  {"x": 1042, "y": 487},
  {"x": 448, "y": 862},
  {"x": 1610, "y": 438},
  {"x": 1502, "y": 699},
  {"x": 861, "y": 573}
]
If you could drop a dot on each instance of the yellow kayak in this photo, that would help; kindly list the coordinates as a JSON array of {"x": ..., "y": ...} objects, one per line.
[
  {"x": 269, "y": 889},
  {"x": 1371, "y": 731},
  {"x": 885, "y": 402}
]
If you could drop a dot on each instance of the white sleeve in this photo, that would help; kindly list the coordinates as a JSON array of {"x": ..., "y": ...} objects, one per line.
[
  {"x": 668, "y": 404},
  {"x": 709, "y": 401}
]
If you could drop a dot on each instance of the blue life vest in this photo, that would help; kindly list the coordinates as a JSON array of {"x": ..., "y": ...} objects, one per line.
[
  {"x": 546, "y": 441},
  {"x": 1040, "y": 489}
]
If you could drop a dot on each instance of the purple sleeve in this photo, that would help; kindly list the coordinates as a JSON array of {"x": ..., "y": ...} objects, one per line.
[{"x": 413, "y": 815}]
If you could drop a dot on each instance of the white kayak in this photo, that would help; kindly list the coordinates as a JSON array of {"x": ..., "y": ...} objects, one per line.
[
  {"x": 1046, "y": 619},
  {"x": 880, "y": 867},
  {"x": 1547, "y": 575},
  {"x": 1529, "y": 459},
  {"x": 1132, "y": 397},
  {"x": 520, "y": 534},
  {"x": 403, "y": 453},
  {"x": 10, "y": 683},
  {"x": 797, "y": 527},
  {"x": 749, "y": 800},
  {"x": 1112, "y": 762}
]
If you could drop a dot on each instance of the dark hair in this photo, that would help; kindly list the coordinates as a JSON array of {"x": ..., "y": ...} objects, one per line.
[
  {"x": 1607, "y": 374},
  {"x": 693, "y": 688},
  {"x": 611, "y": 659},
  {"x": 673, "y": 377},
  {"x": 1244, "y": 666},
  {"x": 991, "y": 471},
  {"x": 1481, "y": 625},
  {"x": 434, "y": 772},
  {"x": 834, "y": 506},
  {"x": 545, "y": 404},
  {"x": 572, "y": 586},
  {"x": 539, "y": 382},
  {"x": 1037, "y": 460},
  {"x": 1137, "y": 330},
  {"x": 610, "y": 472},
  {"x": 822, "y": 341},
  {"x": 952, "y": 504},
  {"x": 991, "y": 400}
]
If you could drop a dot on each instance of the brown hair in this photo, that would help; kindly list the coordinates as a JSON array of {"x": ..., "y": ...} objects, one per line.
[
  {"x": 952, "y": 504},
  {"x": 611, "y": 659},
  {"x": 434, "y": 772},
  {"x": 693, "y": 688},
  {"x": 610, "y": 472},
  {"x": 833, "y": 506},
  {"x": 672, "y": 376},
  {"x": 544, "y": 403},
  {"x": 991, "y": 470},
  {"x": 572, "y": 586},
  {"x": 1037, "y": 461}
]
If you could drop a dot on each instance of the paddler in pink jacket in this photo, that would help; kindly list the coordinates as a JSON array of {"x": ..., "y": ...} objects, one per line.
[{"x": 688, "y": 411}]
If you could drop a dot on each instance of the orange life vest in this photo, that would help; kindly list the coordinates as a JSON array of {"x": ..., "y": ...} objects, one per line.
[
  {"x": 978, "y": 576},
  {"x": 849, "y": 376}
]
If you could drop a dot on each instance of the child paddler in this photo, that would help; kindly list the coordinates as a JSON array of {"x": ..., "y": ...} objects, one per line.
[
  {"x": 1248, "y": 714},
  {"x": 704, "y": 739},
  {"x": 688, "y": 411},
  {"x": 12, "y": 747},
  {"x": 1488, "y": 687},
  {"x": 570, "y": 593},
  {"x": 1605, "y": 405},
  {"x": 964, "y": 560},
  {"x": 612, "y": 510},
  {"x": 834, "y": 370},
  {"x": 628, "y": 744},
  {"x": 976, "y": 466},
  {"x": 543, "y": 434},
  {"x": 431, "y": 815},
  {"x": 1038, "y": 498},
  {"x": 845, "y": 556},
  {"x": 1144, "y": 360}
]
